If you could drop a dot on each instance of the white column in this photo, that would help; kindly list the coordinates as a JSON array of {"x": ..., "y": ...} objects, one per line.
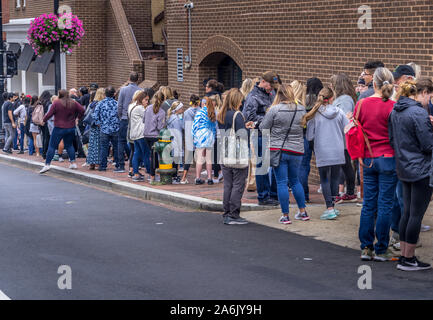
[
  {"x": 40, "y": 84},
  {"x": 24, "y": 81},
  {"x": 63, "y": 70}
]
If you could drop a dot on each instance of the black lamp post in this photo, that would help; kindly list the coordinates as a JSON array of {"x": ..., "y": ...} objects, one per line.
[{"x": 58, "y": 75}]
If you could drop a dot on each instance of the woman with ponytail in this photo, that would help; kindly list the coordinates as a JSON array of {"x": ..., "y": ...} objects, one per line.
[
  {"x": 380, "y": 178},
  {"x": 325, "y": 125},
  {"x": 411, "y": 135}
]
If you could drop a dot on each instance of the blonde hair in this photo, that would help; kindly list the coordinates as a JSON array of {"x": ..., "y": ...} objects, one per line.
[
  {"x": 416, "y": 68},
  {"x": 100, "y": 94},
  {"x": 157, "y": 101},
  {"x": 232, "y": 101},
  {"x": 325, "y": 95},
  {"x": 216, "y": 99},
  {"x": 284, "y": 95},
  {"x": 300, "y": 91},
  {"x": 173, "y": 107},
  {"x": 408, "y": 89},
  {"x": 247, "y": 87},
  {"x": 167, "y": 92},
  {"x": 384, "y": 81},
  {"x": 53, "y": 98}
]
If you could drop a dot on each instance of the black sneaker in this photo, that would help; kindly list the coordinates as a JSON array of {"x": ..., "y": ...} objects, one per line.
[
  {"x": 412, "y": 264},
  {"x": 232, "y": 221},
  {"x": 269, "y": 202},
  {"x": 7, "y": 151},
  {"x": 198, "y": 181},
  {"x": 137, "y": 179},
  {"x": 130, "y": 174},
  {"x": 210, "y": 182},
  {"x": 21, "y": 152}
]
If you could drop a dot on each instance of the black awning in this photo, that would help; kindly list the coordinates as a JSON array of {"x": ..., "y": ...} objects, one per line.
[
  {"x": 15, "y": 48},
  {"x": 41, "y": 64},
  {"x": 25, "y": 58}
]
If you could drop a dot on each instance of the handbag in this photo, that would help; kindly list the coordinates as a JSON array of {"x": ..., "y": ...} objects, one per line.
[
  {"x": 356, "y": 139},
  {"x": 235, "y": 149},
  {"x": 88, "y": 119},
  {"x": 275, "y": 155}
]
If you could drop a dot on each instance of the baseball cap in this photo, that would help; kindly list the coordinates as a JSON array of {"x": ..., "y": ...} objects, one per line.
[
  {"x": 271, "y": 77},
  {"x": 94, "y": 86},
  {"x": 361, "y": 81},
  {"x": 403, "y": 70}
]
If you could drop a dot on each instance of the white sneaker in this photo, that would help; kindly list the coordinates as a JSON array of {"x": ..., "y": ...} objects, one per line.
[
  {"x": 45, "y": 169},
  {"x": 425, "y": 228},
  {"x": 319, "y": 190},
  {"x": 216, "y": 181},
  {"x": 61, "y": 159},
  {"x": 220, "y": 176},
  {"x": 85, "y": 164},
  {"x": 204, "y": 172},
  {"x": 73, "y": 166}
]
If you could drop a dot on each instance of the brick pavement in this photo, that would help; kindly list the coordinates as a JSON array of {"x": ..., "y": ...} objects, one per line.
[{"x": 214, "y": 192}]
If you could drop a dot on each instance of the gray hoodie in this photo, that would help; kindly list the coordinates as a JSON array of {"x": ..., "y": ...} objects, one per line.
[
  {"x": 345, "y": 103},
  {"x": 327, "y": 131}
]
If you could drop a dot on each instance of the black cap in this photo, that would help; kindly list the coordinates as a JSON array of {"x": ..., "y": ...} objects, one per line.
[
  {"x": 403, "y": 70},
  {"x": 94, "y": 86}
]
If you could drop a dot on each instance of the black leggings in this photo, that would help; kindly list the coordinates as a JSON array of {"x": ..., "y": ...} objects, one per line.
[
  {"x": 416, "y": 199},
  {"x": 329, "y": 180},
  {"x": 348, "y": 174},
  {"x": 154, "y": 164}
]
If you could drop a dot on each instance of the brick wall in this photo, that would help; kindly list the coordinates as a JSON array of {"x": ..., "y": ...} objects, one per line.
[
  {"x": 298, "y": 39},
  {"x": 139, "y": 15},
  {"x": 156, "y": 70}
]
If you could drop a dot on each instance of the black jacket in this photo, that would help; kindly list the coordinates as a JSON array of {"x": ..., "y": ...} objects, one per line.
[
  {"x": 256, "y": 104},
  {"x": 411, "y": 136}
]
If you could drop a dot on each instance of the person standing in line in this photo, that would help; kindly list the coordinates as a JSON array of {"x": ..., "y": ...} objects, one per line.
[
  {"x": 369, "y": 69},
  {"x": 21, "y": 113},
  {"x": 216, "y": 167},
  {"x": 234, "y": 178},
  {"x": 380, "y": 177},
  {"x": 188, "y": 119},
  {"x": 247, "y": 87},
  {"x": 136, "y": 112},
  {"x": 93, "y": 153},
  {"x": 154, "y": 121},
  {"x": 66, "y": 112},
  {"x": 203, "y": 132},
  {"x": 45, "y": 100},
  {"x": 411, "y": 136},
  {"x": 9, "y": 123},
  {"x": 169, "y": 98},
  {"x": 345, "y": 99},
  {"x": 125, "y": 98},
  {"x": 313, "y": 87},
  {"x": 325, "y": 123},
  {"x": 176, "y": 126},
  {"x": 105, "y": 116},
  {"x": 34, "y": 129},
  {"x": 16, "y": 103},
  {"x": 283, "y": 119},
  {"x": 255, "y": 106}
]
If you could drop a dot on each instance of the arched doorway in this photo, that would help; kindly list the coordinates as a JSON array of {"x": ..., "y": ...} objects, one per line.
[{"x": 223, "y": 68}]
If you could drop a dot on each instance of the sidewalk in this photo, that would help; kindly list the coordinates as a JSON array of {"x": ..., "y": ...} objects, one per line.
[{"x": 214, "y": 192}]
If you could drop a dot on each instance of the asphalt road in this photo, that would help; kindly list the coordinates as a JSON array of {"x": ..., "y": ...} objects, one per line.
[{"x": 122, "y": 248}]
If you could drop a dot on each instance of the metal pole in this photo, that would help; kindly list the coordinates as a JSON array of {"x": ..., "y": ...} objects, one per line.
[{"x": 58, "y": 75}]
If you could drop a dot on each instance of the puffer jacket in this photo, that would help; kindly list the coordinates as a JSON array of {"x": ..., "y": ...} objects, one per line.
[
  {"x": 278, "y": 119},
  {"x": 411, "y": 136},
  {"x": 256, "y": 104}
]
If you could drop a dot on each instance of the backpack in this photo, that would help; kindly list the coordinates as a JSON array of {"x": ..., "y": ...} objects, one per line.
[
  {"x": 356, "y": 139},
  {"x": 235, "y": 152},
  {"x": 38, "y": 115}
]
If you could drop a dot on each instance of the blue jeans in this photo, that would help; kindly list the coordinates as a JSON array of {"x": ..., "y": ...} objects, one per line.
[
  {"x": 287, "y": 173},
  {"x": 141, "y": 155},
  {"x": 22, "y": 133},
  {"x": 31, "y": 144},
  {"x": 59, "y": 134},
  {"x": 304, "y": 168},
  {"x": 262, "y": 181},
  {"x": 15, "y": 141},
  {"x": 104, "y": 141},
  {"x": 379, "y": 189},
  {"x": 123, "y": 146},
  {"x": 397, "y": 209}
]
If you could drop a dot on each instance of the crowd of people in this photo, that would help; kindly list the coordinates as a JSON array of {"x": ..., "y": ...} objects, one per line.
[{"x": 277, "y": 126}]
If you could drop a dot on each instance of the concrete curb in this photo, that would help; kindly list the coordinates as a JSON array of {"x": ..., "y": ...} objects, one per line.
[{"x": 130, "y": 189}]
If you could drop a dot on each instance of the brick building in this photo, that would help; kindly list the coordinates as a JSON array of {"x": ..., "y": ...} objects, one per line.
[
  {"x": 233, "y": 39},
  {"x": 121, "y": 35}
]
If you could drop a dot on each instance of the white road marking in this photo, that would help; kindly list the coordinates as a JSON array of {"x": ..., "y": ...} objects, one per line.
[{"x": 3, "y": 296}]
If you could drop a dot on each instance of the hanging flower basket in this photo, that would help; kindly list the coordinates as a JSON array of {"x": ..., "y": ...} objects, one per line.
[{"x": 45, "y": 31}]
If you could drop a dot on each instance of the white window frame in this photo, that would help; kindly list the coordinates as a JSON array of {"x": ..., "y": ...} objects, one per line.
[{"x": 18, "y": 4}]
